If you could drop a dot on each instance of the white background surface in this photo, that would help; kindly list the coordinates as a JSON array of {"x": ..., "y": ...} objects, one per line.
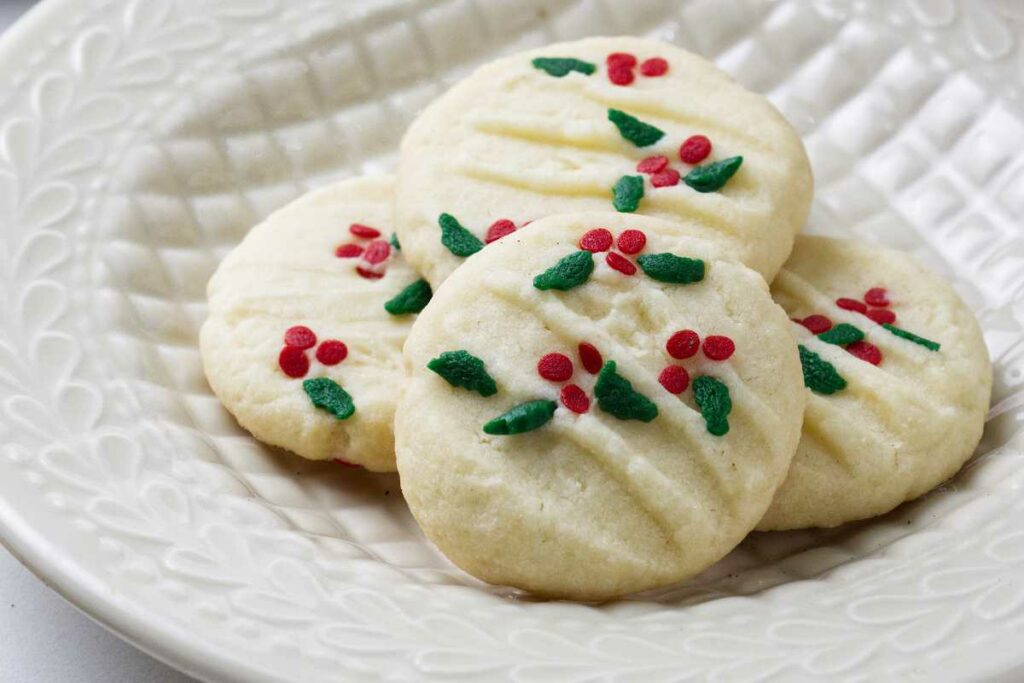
[{"x": 43, "y": 639}]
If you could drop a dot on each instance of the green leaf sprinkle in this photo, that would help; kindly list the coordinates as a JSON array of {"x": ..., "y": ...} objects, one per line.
[
  {"x": 561, "y": 66},
  {"x": 459, "y": 241},
  {"x": 328, "y": 395},
  {"x": 910, "y": 336},
  {"x": 633, "y": 129},
  {"x": 570, "y": 271},
  {"x": 525, "y": 417},
  {"x": 627, "y": 193},
  {"x": 820, "y": 376},
  {"x": 412, "y": 299},
  {"x": 713, "y": 176},
  {"x": 712, "y": 397},
  {"x": 463, "y": 369},
  {"x": 616, "y": 396},
  {"x": 394, "y": 242},
  {"x": 666, "y": 267},
  {"x": 841, "y": 335}
]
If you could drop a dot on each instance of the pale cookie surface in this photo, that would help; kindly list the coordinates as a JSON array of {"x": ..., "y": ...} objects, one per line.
[
  {"x": 299, "y": 345},
  {"x": 528, "y": 136},
  {"x": 534, "y": 460},
  {"x": 889, "y": 416}
]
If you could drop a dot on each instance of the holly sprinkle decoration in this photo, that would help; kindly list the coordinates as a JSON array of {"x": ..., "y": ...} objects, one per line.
[
  {"x": 820, "y": 376},
  {"x": 460, "y": 241},
  {"x": 634, "y": 130},
  {"x": 712, "y": 397},
  {"x": 525, "y": 417},
  {"x": 324, "y": 392},
  {"x": 570, "y": 271},
  {"x": 328, "y": 395},
  {"x": 413, "y": 299},
  {"x": 710, "y": 394},
  {"x": 373, "y": 255},
  {"x": 563, "y": 66},
  {"x": 627, "y": 193},
  {"x": 616, "y": 396},
  {"x": 463, "y": 369}
]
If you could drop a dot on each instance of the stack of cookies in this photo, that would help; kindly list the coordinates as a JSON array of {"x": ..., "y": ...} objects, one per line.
[{"x": 556, "y": 323}]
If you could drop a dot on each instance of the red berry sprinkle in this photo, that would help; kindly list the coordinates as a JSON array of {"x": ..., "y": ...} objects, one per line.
[
  {"x": 816, "y": 323},
  {"x": 596, "y": 240},
  {"x": 865, "y": 351},
  {"x": 377, "y": 252},
  {"x": 293, "y": 361},
  {"x": 655, "y": 66},
  {"x": 632, "y": 241},
  {"x": 620, "y": 75},
  {"x": 655, "y": 164},
  {"x": 882, "y": 316},
  {"x": 683, "y": 344},
  {"x": 360, "y": 230},
  {"x": 674, "y": 378},
  {"x": 556, "y": 367},
  {"x": 591, "y": 358},
  {"x": 620, "y": 263},
  {"x": 620, "y": 59},
  {"x": 666, "y": 178},
  {"x": 348, "y": 251},
  {"x": 876, "y": 296},
  {"x": 499, "y": 228},
  {"x": 346, "y": 463},
  {"x": 575, "y": 399},
  {"x": 331, "y": 352},
  {"x": 369, "y": 274},
  {"x": 851, "y": 305},
  {"x": 717, "y": 347},
  {"x": 695, "y": 149},
  {"x": 300, "y": 336}
]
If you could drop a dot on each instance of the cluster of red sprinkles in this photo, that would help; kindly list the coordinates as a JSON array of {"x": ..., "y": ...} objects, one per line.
[
  {"x": 630, "y": 242},
  {"x": 297, "y": 340},
  {"x": 621, "y": 66},
  {"x": 558, "y": 367},
  {"x": 685, "y": 344},
  {"x": 502, "y": 227},
  {"x": 372, "y": 257},
  {"x": 874, "y": 305},
  {"x": 694, "y": 150}
]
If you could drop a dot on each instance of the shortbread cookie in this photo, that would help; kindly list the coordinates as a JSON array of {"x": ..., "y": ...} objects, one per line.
[
  {"x": 596, "y": 405},
  {"x": 898, "y": 382},
  {"x": 307, "y": 319},
  {"x": 601, "y": 124}
]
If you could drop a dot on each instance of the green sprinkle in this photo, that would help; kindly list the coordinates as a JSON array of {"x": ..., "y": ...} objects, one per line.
[
  {"x": 561, "y": 66},
  {"x": 636, "y": 131},
  {"x": 570, "y": 271},
  {"x": 627, "y": 193},
  {"x": 820, "y": 376},
  {"x": 463, "y": 369},
  {"x": 678, "y": 270},
  {"x": 327, "y": 394},
  {"x": 412, "y": 299},
  {"x": 394, "y": 241},
  {"x": 459, "y": 241},
  {"x": 713, "y": 176},
  {"x": 525, "y": 417},
  {"x": 712, "y": 397},
  {"x": 615, "y": 395},
  {"x": 910, "y": 336},
  {"x": 841, "y": 335}
]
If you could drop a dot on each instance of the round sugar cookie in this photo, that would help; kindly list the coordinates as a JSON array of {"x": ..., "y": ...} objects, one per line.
[
  {"x": 596, "y": 405},
  {"x": 602, "y": 124},
  {"x": 303, "y": 343},
  {"x": 898, "y": 382}
]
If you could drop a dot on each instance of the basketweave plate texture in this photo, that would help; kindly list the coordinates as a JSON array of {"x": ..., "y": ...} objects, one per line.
[{"x": 138, "y": 142}]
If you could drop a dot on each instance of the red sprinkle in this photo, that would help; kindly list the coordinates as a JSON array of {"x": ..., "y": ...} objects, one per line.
[
  {"x": 596, "y": 240},
  {"x": 620, "y": 263},
  {"x": 717, "y": 347},
  {"x": 816, "y": 323},
  {"x": 683, "y": 344},
  {"x": 674, "y": 378},
  {"x": 655, "y": 164},
  {"x": 620, "y": 75},
  {"x": 632, "y": 241},
  {"x": 293, "y": 361},
  {"x": 666, "y": 178},
  {"x": 882, "y": 316},
  {"x": 360, "y": 230},
  {"x": 876, "y": 296},
  {"x": 851, "y": 305},
  {"x": 620, "y": 59},
  {"x": 369, "y": 274},
  {"x": 377, "y": 252},
  {"x": 556, "y": 367},
  {"x": 348, "y": 251},
  {"x": 346, "y": 463},
  {"x": 575, "y": 399},
  {"x": 590, "y": 357},
  {"x": 865, "y": 351},
  {"x": 695, "y": 149},
  {"x": 655, "y": 66},
  {"x": 300, "y": 336},
  {"x": 499, "y": 228},
  {"x": 331, "y": 352}
]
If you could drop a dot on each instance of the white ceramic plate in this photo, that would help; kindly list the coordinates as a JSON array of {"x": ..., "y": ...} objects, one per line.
[{"x": 139, "y": 140}]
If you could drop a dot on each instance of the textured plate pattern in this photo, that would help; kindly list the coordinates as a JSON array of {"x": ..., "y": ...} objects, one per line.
[{"x": 139, "y": 140}]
